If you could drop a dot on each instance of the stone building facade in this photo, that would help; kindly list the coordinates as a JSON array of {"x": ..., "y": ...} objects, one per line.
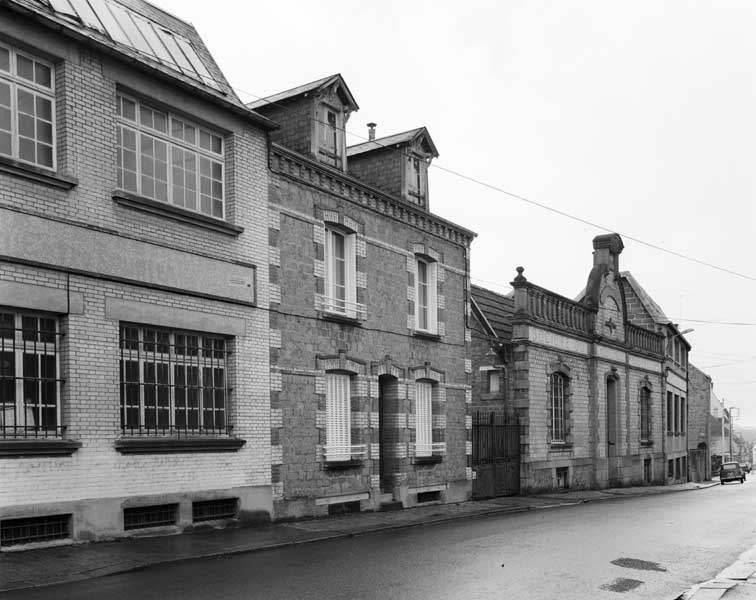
[
  {"x": 369, "y": 359},
  {"x": 699, "y": 416},
  {"x": 133, "y": 281},
  {"x": 585, "y": 380}
]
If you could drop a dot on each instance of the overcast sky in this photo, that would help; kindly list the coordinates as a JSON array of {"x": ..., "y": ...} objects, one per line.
[{"x": 637, "y": 116}]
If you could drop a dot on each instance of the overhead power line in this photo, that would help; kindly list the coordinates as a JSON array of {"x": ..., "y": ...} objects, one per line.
[{"x": 540, "y": 205}]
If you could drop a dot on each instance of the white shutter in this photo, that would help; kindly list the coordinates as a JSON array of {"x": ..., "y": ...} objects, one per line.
[
  {"x": 338, "y": 422},
  {"x": 423, "y": 420}
]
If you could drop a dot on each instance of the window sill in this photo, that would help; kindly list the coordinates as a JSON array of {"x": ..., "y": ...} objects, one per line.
[
  {"x": 134, "y": 201},
  {"x": 37, "y": 447},
  {"x": 339, "y": 318},
  {"x": 427, "y": 460},
  {"x": 166, "y": 445},
  {"x": 647, "y": 443},
  {"x": 566, "y": 447},
  {"x": 419, "y": 333},
  {"x": 338, "y": 465},
  {"x": 16, "y": 168}
]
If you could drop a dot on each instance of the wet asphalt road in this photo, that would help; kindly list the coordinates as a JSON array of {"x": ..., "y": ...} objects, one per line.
[{"x": 651, "y": 547}]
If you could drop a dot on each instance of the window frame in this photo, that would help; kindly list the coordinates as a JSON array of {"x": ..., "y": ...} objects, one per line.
[
  {"x": 429, "y": 310},
  {"x": 16, "y": 81},
  {"x": 645, "y": 430},
  {"x": 173, "y": 145},
  {"x": 557, "y": 408},
  {"x": 346, "y": 306},
  {"x": 173, "y": 360},
  {"x": 332, "y": 156},
  {"x": 415, "y": 178},
  {"x": 423, "y": 409},
  {"x": 40, "y": 347},
  {"x": 338, "y": 446}
]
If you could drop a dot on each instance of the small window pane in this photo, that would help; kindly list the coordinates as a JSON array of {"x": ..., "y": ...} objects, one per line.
[
  {"x": 4, "y": 60},
  {"x": 42, "y": 75},
  {"x": 25, "y": 67}
]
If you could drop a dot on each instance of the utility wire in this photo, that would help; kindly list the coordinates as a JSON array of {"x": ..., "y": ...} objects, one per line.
[{"x": 540, "y": 205}]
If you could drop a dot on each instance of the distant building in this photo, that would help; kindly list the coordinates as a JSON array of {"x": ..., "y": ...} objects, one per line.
[
  {"x": 369, "y": 296},
  {"x": 699, "y": 414},
  {"x": 585, "y": 380},
  {"x": 133, "y": 281}
]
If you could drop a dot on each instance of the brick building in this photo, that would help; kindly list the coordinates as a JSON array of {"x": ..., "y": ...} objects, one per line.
[
  {"x": 133, "y": 280},
  {"x": 370, "y": 365},
  {"x": 585, "y": 379}
]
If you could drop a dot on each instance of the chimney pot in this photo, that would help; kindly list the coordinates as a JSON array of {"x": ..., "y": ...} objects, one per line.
[{"x": 371, "y": 131}]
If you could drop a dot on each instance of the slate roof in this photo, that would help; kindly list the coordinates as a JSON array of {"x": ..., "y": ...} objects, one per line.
[
  {"x": 657, "y": 314},
  {"x": 303, "y": 89},
  {"x": 496, "y": 309},
  {"x": 397, "y": 139}
]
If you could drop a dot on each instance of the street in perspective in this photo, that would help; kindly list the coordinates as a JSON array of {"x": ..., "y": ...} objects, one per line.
[{"x": 272, "y": 345}]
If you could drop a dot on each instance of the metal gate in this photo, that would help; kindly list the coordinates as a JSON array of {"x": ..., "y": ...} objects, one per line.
[{"x": 496, "y": 455}]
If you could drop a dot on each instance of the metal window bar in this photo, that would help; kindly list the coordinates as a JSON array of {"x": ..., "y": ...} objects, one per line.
[
  {"x": 29, "y": 376},
  {"x": 645, "y": 407},
  {"x": 173, "y": 383},
  {"x": 209, "y": 510},
  {"x": 141, "y": 517},
  {"x": 35, "y": 529}
]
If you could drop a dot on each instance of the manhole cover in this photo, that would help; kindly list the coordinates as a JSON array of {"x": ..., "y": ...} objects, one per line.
[
  {"x": 621, "y": 585},
  {"x": 636, "y": 563}
]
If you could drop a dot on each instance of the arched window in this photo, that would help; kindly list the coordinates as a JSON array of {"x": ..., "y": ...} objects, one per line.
[{"x": 557, "y": 408}]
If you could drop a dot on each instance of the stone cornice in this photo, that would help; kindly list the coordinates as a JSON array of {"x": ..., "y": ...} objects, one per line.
[{"x": 300, "y": 168}]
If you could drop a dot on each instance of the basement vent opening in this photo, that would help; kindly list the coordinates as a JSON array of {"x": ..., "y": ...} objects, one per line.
[
  {"x": 141, "y": 517},
  {"x": 14, "y": 532},
  {"x": 343, "y": 508},
  {"x": 428, "y": 496},
  {"x": 210, "y": 510}
]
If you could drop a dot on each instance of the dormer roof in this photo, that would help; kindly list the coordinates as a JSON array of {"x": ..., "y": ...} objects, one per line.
[
  {"x": 314, "y": 86},
  {"x": 398, "y": 140}
]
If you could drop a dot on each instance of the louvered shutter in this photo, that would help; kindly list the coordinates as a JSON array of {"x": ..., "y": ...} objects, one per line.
[
  {"x": 423, "y": 420},
  {"x": 338, "y": 425}
]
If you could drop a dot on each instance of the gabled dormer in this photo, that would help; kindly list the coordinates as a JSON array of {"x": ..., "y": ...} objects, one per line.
[
  {"x": 397, "y": 164},
  {"x": 312, "y": 119}
]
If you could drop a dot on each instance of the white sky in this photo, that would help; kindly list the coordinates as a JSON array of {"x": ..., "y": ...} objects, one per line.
[{"x": 638, "y": 116}]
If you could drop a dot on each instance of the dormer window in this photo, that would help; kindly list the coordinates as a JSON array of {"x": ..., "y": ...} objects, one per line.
[
  {"x": 331, "y": 137},
  {"x": 416, "y": 177}
]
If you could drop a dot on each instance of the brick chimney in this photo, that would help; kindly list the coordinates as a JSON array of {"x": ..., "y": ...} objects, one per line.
[
  {"x": 371, "y": 131},
  {"x": 606, "y": 251}
]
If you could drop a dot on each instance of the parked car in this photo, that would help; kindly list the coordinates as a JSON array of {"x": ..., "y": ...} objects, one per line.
[
  {"x": 746, "y": 467},
  {"x": 731, "y": 471}
]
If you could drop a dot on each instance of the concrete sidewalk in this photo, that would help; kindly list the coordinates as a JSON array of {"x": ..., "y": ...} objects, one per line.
[{"x": 59, "y": 564}]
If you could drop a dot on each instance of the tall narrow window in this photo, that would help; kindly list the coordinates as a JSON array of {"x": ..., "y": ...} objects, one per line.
[
  {"x": 166, "y": 158},
  {"x": 557, "y": 393},
  {"x": 330, "y": 139},
  {"x": 338, "y": 417},
  {"x": 493, "y": 381},
  {"x": 670, "y": 414},
  {"x": 340, "y": 276},
  {"x": 415, "y": 175},
  {"x": 425, "y": 296},
  {"x": 645, "y": 415},
  {"x": 172, "y": 382},
  {"x": 27, "y": 108},
  {"x": 676, "y": 420},
  {"x": 29, "y": 380},
  {"x": 423, "y": 418}
]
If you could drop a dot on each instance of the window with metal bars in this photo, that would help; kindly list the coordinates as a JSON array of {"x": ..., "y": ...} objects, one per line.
[
  {"x": 557, "y": 397},
  {"x": 172, "y": 382},
  {"x": 29, "y": 376},
  {"x": 210, "y": 510},
  {"x": 141, "y": 517},
  {"x": 645, "y": 414},
  {"x": 34, "y": 529}
]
